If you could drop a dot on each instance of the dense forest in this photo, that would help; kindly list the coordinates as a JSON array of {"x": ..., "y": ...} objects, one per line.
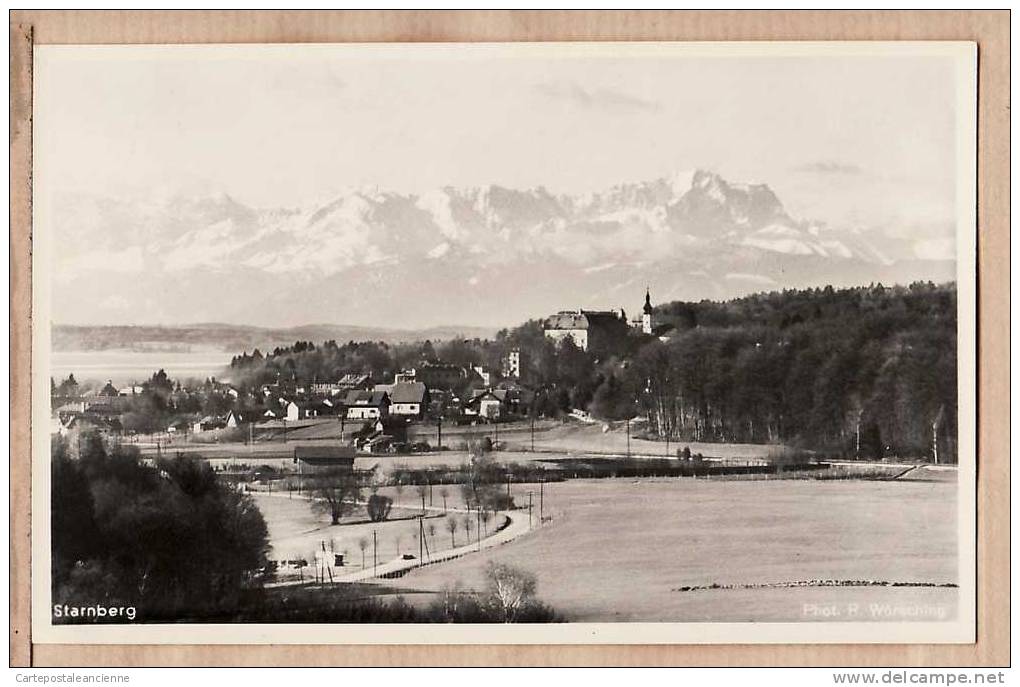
[
  {"x": 866, "y": 372},
  {"x": 860, "y": 372}
]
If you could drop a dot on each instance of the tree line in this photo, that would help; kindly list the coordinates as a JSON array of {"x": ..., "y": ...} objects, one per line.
[
  {"x": 857, "y": 372},
  {"x": 169, "y": 539}
]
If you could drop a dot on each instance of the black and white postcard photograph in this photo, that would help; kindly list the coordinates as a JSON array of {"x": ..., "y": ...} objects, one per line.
[{"x": 504, "y": 343}]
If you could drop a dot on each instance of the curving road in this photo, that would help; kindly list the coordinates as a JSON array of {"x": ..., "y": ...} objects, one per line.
[{"x": 518, "y": 524}]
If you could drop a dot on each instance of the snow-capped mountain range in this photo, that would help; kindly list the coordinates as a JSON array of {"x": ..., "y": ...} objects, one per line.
[{"x": 487, "y": 256}]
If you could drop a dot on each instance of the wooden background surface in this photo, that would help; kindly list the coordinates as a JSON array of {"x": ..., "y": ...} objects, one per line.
[{"x": 990, "y": 29}]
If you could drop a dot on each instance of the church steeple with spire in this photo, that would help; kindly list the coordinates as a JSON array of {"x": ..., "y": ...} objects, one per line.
[{"x": 646, "y": 317}]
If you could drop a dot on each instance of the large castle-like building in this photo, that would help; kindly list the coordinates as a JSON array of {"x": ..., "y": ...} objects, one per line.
[{"x": 594, "y": 329}]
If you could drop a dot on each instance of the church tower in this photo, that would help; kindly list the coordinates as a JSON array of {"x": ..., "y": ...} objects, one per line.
[{"x": 646, "y": 317}]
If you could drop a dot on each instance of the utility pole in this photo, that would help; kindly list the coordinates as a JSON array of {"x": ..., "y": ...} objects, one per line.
[
  {"x": 529, "y": 510},
  {"x": 439, "y": 431},
  {"x": 541, "y": 500},
  {"x": 532, "y": 429},
  {"x": 375, "y": 552},
  {"x": 628, "y": 438},
  {"x": 428, "y": 553},
  {"x": 421, "y": 535},
  {"x": 478, "y": 526}
]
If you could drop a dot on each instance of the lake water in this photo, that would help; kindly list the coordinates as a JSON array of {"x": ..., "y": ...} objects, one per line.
[{"x": 125, "y": 366}]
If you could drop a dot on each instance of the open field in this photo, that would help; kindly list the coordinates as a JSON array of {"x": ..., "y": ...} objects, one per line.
[
  {"x": 551, "y": 436},
  {"x": 617, "y": 549},
  {"x": 555, "y": 443}
]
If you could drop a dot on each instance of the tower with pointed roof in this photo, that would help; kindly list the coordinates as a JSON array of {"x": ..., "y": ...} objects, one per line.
[{"x": 646, "y": 316}]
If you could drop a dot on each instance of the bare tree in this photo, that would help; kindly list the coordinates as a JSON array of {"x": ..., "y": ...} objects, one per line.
[
  {"x": 363, "y": 544},
  {"x": 444, "y": 492},
  {"x": 485, "y": 520},
  {"x": 336, "y": 494},
  {"x": 451, "y": 527},
  {"x": 510, "y": 588}
]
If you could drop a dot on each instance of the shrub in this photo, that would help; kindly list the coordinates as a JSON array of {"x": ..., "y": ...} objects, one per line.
[{"x": 378, "y": 507}]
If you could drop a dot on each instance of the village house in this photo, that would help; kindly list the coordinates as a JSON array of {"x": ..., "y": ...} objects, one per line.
[
  {"x": 342, "y": 385},
  {"x": 301, "y": 410},
  {"x": 405, "y": 376},
  {"x": 107, "y": 401},
  {"x": 409, "y": 399},
  {"x": 517, "y": 399},
  {"x": 326, "y": 388},
  {"x": 181, "y": 425},
  {"x": 73, "y": 427},
  {"x": 324, "y": 407},
  {"x": 208, "y": 423},
  {"x": 70, "y": 408},
  {"x": 366, "y": 405},
  {"x": 78, "y": 423},
  {"x": 486, "y": 403},
  {"x": 236, "y": 418},
  {"x": 483, "y": 374},
  {"x": 382, "y": 435}
]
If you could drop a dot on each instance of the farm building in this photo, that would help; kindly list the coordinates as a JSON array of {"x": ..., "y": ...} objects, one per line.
[{"x": 317, "y": 460}]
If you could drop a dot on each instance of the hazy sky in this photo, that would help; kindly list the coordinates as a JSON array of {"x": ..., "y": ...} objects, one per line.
[{"x": 846, "y": 139}]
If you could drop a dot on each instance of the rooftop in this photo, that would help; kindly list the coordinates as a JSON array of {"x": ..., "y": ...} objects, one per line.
[{"x": 580, "y": 319}]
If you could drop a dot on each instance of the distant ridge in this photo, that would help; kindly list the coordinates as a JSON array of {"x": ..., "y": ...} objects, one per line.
[{"x": 235, "y": 338}]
